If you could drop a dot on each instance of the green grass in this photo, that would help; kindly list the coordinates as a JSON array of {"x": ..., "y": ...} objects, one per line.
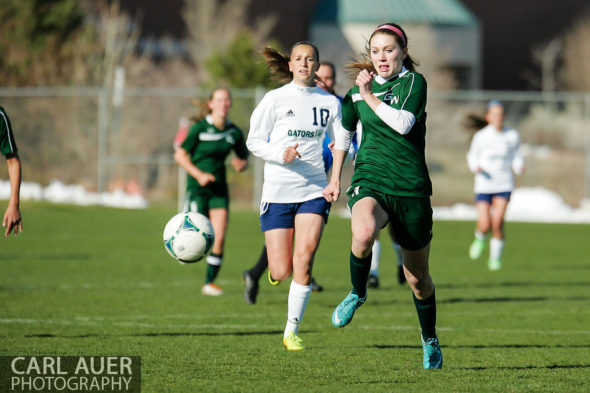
[{"x": 97, "y": 281}]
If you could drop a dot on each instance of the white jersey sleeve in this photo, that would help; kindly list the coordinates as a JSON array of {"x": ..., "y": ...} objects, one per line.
[{"x": 261, "y": 125}]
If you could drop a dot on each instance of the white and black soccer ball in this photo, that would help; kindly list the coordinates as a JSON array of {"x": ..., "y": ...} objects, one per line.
[{"x": 188, "y": 237}]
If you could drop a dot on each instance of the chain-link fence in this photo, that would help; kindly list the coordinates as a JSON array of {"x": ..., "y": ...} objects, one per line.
[{"x": 90, "y": 136}]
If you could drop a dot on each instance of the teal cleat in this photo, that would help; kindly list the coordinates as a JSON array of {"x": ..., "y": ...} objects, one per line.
[
  {"x": 343, "y": 314},
  {"x": 433, "y": 357},
  {"x": 476, "y": 248}
]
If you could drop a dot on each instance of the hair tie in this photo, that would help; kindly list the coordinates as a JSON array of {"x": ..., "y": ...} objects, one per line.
[{"x": 397, "y": 31}]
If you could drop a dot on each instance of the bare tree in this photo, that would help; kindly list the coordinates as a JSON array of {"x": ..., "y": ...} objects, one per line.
[
  {"x": 576, "y": 56},
  {"x": 546, "y": 57},
  {"x": 214, "y": 25}
]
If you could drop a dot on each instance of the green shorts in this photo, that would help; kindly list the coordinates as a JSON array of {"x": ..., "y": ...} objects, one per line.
[
  {"x": 410, "y": 217},
  {"x": 204, "y": 200}
]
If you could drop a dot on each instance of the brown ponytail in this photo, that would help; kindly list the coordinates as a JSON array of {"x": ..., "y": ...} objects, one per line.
[{"x": 278, "y": 64}]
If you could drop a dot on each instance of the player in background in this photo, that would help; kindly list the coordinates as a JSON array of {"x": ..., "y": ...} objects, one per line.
[
  {"x": 493, "y": 157},
  {"x": 373, "y": 280},
  {"x": 326, "y": 79},
  {"x": 286, "y": 131},
  {"x": 12, "y": 218},
  {"x": 202, "y": 155},
  {"x": 390, "y": 181}
]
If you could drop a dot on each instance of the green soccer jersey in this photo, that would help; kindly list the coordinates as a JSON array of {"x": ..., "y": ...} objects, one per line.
[
  {"x": 7, "y": 144},
  {"x": 387, "y": 161},
  {"x": 208, "y": 148}
]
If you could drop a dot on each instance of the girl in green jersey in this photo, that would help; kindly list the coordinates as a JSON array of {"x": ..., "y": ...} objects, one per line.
[
  {"x": 202, "y": 154},
  {"x": 390, "y": 181}
]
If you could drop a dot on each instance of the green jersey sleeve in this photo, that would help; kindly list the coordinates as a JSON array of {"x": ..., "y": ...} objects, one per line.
[
  {"x": 192, "y": 139},
  {"x": 350, "y": 115},
  {"x": 239, "y": 146},
  {"x": 7, "y": 143},
  {"x": 413, "y": 94}
]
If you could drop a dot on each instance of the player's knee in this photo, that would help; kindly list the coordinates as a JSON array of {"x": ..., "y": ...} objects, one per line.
[
  {"x": 363, "y": 237},
  {"x": 280, "y": 273},
  {"x": 420, "y": 284}
]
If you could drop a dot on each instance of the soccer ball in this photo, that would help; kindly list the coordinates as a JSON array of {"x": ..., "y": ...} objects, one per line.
[{"x": 188, "y": 237}]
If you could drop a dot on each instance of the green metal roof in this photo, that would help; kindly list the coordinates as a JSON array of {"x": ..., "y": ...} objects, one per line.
[{"x": 441, "y": 12}]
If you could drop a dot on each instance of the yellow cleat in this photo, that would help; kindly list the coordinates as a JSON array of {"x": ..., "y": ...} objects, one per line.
[
  {"x": 292, "y": 342},
  {"x": 272, "y": 282}
]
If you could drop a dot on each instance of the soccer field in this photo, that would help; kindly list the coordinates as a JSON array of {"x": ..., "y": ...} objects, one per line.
[{"x": 97, "y": 281}]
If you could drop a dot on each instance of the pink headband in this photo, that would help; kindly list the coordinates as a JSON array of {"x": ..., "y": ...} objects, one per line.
[{"x": 395, "y": 30}]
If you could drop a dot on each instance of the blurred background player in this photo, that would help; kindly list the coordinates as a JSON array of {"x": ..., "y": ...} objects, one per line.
[
  {"x": 390, "y": 181},
  {"x": 202, "y": 155},
  {"x": 493, "y": 157},
  {"x": 12, "y": 217},
  {"x": 287, "y": 129},
  {"x": 373, "y": 280},
  {"x": 326, "y": 79}
]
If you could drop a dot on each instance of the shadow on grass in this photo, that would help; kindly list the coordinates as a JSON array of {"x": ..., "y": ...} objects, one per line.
[
  {"x": 499, "y": 299},
  {"x": 159, "y": 334},
  {"x": 510, "y": 299},
  {"x": 479, "y": 346},
  {"x": 550, "y": 367},
  {"x": 515, "y": 284}
]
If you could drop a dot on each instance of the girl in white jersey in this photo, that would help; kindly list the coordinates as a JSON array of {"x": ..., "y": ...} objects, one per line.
[
  {"x": 493, "y": 156},
  {"x": 287, "y": 130}
]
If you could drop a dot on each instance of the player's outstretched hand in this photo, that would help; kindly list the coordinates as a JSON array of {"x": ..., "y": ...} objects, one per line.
[
  {"x": 12, "y": 220},
  {"x": 332, "y": 192},
  {"x": 205, "y": 179},
  {"x": 239, "y": 164},
  {"x": 291, "y": 153}
]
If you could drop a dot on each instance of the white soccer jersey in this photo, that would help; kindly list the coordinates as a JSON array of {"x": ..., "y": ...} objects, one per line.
[
  {"x": 497, "y": 154},
  {"x": 285, "y": 116}
]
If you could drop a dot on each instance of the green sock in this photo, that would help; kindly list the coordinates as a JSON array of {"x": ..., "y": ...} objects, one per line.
[
  {"x": 213, "y": 270},
  {"x": 359, "y": 273},
  {"x": 426, "y": 309}
]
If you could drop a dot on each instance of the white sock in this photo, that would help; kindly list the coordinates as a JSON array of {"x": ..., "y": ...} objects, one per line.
[
  {"x": 375, "y": 259},
  {"x": 214, "y": 260},
  {"x": 298, "y": 297},
  {"x": 496, "y": 247},
  {"x": 398, "y": 252},
  {"x": 479, "y": 235}
]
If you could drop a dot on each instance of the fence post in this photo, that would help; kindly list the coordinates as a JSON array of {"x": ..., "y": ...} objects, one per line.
[
  {"x": 102, "y": 139},
  {"x": 586, "y": 118}
]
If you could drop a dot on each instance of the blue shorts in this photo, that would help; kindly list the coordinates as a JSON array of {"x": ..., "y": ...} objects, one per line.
[
  {"x": 282, "y": 215},
  {"x": 488, "y": 197}
]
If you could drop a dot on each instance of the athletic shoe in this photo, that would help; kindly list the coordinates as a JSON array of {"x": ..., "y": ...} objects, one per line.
[
  {"x": 292, "y": 342},
  {"x": 345, "y": 311},
  {"x": 401, "y": 277},
  {"x": 373, "y": 281},
  {"x": 211, "y": 290},
  {"x": 251, "y": 288},
  {"x": 315, "y": 287},
  {"x": 476, "y": 248},
  {"x": 271, "y": 281},
  {"x": 433, "y": 357},
  {"x": 494, "y": 264}
]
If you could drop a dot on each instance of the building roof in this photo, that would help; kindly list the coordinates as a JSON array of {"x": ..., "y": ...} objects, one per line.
[{"x": 440, "y": 12}]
